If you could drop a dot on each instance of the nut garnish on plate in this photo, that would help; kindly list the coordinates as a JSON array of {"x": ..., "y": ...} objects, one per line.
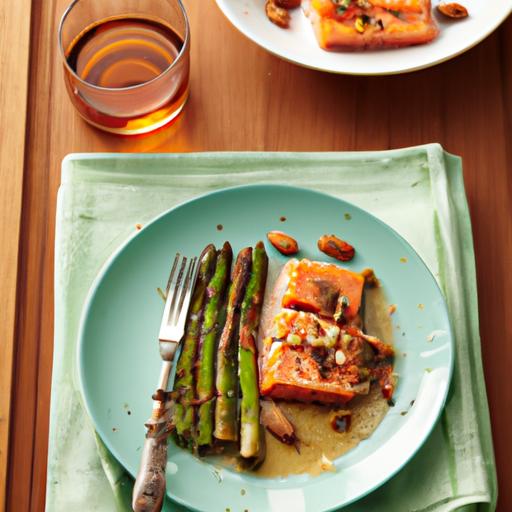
[
  {"x": 453, "y": 10},
  {"x": 277, "y": 15},
  {"x": 283, "y": 242}
]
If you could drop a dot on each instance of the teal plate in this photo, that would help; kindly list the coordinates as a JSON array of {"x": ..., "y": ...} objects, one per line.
[{"x": 118, "y": 358}]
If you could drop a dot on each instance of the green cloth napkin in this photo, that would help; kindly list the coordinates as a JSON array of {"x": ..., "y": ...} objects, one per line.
[{"x": 418, "y": 191}]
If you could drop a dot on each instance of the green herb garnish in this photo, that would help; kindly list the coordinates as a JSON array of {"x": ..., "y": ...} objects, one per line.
[{"x": 342, "y": 5}]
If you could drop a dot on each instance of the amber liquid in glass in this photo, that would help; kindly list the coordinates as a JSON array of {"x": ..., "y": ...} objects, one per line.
[{"x": 122, "y": 53}]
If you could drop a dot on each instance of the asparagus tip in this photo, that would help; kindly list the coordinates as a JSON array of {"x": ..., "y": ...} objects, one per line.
[{"x": 206, "y": 250}]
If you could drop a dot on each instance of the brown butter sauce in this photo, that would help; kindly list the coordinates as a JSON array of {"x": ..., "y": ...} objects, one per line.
[{"x": 319, "y": 442}]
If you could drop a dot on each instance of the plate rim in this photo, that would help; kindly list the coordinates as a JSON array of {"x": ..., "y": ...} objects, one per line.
[
  {"x": 110, "y": 261},
  {"x": 222, "y": 5}
]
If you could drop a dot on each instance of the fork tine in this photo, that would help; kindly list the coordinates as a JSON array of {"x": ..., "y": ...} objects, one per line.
[
  {"x": 171, "y": 275},
  {"x": 185, "y": 291},
  {"x": 175, "y": 287},
  {"x": 176, "y": 307},
  {"x": 180, "y": 294},
  {"x": 186, "y": 295}
]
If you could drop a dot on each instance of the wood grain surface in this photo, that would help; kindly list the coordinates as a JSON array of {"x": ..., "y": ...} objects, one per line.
[
  {"x": 242, "y": 99},
  {"x": 13, "y": 103}
]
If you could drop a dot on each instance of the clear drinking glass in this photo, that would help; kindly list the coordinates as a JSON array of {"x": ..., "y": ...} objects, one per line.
[{"x": 126, "y": 62}]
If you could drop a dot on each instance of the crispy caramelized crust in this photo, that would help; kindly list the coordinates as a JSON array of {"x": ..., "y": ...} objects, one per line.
[{"x": 293, "y": 374}]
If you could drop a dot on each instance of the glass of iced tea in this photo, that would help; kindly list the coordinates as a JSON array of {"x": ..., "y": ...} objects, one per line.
[{"x": 126, "y": 62}]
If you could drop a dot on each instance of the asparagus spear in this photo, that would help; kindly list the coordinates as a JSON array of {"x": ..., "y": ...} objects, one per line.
[
  {"x": 226, "y": 380},
  {"x": 205, "y": 371},
  {"x": 184, "y": 383},
  {"x": 250, "y": 443}
]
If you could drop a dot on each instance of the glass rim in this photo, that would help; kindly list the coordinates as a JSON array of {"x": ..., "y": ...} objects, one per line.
[{"x": 186, "y": 43}]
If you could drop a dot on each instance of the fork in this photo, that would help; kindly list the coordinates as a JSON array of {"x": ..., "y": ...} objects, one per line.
[{"x": 149, "y": 488}]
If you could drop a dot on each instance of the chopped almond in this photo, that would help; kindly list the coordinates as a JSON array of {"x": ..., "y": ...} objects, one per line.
[
  {"x": 336, "y": 247},
  {"x": 453, "y": 10},
  {"x": 284, "y": 243},
  {"x": 276, "y": 14}
]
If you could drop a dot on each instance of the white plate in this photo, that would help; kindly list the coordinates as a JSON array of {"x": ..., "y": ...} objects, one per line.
[{"x": 298, "y": 44}]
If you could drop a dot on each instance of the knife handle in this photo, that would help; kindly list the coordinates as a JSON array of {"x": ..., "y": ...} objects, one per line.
[{"x": 149, "y": 488}]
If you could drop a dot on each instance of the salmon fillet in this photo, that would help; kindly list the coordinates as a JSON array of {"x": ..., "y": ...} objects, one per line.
[
  {"x": 316, "y": 287},
  {"x": 307, "y": 355},
  {"x": 360, "y": 24}
]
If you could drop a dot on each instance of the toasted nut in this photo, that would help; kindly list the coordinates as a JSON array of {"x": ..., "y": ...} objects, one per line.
[
  {"x": 336, "y": 248},
  {"x": 453, "y": 10},
  {"x": 288, "y": 4},
  {"x": 277, "y": 15},
  {"x": 340, "y": 357},
  {"x": 284, "y": 243}
]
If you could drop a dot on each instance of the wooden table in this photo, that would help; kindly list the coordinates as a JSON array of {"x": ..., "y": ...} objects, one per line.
[{"x": 242, "y": 99}]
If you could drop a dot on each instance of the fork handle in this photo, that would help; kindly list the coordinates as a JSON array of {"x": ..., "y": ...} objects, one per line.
[{"x": 149, "y": 488}]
